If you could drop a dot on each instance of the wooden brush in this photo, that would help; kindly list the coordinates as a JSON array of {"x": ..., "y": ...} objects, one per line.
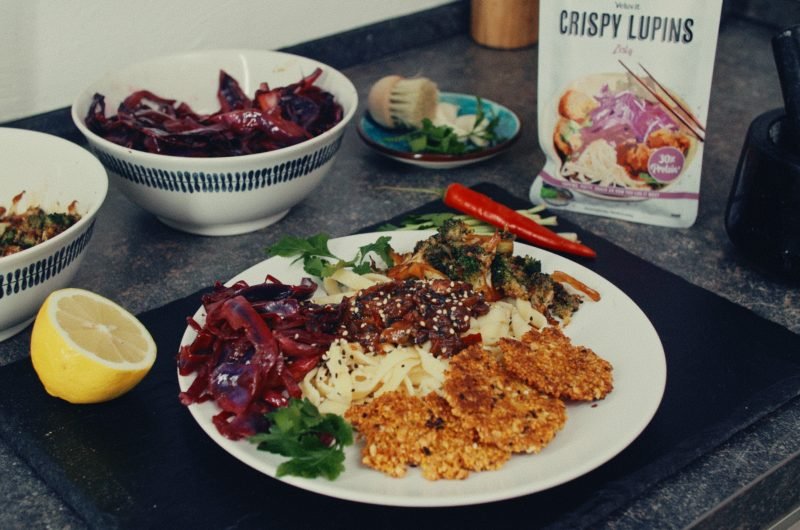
[{"x": 397, "y": 102}]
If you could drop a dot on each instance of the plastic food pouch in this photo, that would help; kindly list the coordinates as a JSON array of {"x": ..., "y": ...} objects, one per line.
[{"x": 623, "y": 97}]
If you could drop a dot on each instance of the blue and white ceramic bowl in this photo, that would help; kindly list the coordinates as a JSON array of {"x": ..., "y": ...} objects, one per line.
[
  {"x": 226, "y": 195},
  {"x": 53, "y": 173},
  {"x": 383, "y": 140}
]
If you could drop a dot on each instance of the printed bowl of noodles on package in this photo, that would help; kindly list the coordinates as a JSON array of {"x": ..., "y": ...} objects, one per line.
[{"x": 615, "y": 140}]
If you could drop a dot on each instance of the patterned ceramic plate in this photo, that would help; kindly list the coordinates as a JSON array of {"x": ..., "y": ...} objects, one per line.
[{"x": 380, "y": 138}]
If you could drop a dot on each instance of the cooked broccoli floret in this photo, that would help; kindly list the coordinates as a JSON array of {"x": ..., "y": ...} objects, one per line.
[
  {"x": 564, "y": 303},
  {"x": 454, "y": 231},
  {"x": 460, "y": 263},
  {"x": 521, "y": 277},
  {"x": 456, "y": 255},
  {"x": 514, "y": 275},
  {"x": 488, "y": 263}
]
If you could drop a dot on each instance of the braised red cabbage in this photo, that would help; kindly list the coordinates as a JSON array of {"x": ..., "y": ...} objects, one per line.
[
  {"x": 272, "y": 119},
  {"x": 255, "y": 346}
]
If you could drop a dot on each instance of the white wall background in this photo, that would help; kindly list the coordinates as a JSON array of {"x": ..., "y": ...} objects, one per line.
[{"x": 51, "y": 49}]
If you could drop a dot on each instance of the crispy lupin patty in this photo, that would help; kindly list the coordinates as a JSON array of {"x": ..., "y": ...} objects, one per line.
[
  {"x": 456, "y": 448},
  {"x": 401, "y": 430},
  {"x": 392, "y": 426},
  {"x": 495, "y": 402},
  {"x": 504, "y": 411},
  {"x": 548, "y": 361}
]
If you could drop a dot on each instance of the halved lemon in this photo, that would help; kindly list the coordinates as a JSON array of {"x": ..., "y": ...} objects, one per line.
[{"x": 87, "y": 349}]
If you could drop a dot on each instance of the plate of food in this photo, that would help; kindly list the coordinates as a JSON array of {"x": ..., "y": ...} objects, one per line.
[
  {"x": 462, "y": 129},
  {"x": 438, "y": 377}
]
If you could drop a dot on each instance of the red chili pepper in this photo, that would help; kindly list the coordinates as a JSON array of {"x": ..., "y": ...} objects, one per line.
[{"x": 480, "y": 206}]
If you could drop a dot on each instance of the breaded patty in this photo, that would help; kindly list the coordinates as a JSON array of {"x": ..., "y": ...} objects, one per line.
[
  {"x": 391, "y": 426},
  {"x": 504, "y": 411},
  {"x": 491, "y": 407},
  {"x": 548, "y": 361},
  {"x": 456, "y": 447},
  {"x": 401, "y": 430}
]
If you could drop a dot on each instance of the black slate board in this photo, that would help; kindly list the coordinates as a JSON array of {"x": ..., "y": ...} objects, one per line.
[{"x": 141, "y": 461}]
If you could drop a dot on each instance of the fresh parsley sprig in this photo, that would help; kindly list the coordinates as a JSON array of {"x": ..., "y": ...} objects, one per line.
[
  {"x": 430, "y": 138},
  {"x": 314, "y": 442},
  {"x": 442, "y": 139},
  {"x": 318, "y": 260}
]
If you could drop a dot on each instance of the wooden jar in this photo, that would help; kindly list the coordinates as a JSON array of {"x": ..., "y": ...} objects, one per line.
[{"x": 505, "y": 24}]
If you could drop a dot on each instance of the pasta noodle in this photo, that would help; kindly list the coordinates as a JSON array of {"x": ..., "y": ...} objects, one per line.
[
  {"x": 350, "y": 375},
  {"x": 507, "y": 318},
  {"x": 345, "y": 282}
]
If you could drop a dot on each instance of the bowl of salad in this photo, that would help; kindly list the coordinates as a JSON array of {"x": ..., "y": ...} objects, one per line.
[
  {"x": 218, "y": 142},
  {"x": 50, "y": 192}
]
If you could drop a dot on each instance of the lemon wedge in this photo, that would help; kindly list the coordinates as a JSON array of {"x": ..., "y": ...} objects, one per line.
[{"x": 87, "y": 349}]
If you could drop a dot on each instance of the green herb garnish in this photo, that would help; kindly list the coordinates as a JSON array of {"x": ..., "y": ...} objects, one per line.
[
  {"x": 442, "y": 139},
  {"x": 314, "y": 442},
  {"x": 431, "y": 138},
  {"x": 319, "y": 261}
]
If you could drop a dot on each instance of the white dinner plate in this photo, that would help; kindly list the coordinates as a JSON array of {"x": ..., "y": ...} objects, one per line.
[{"x": 615, "y": 328}]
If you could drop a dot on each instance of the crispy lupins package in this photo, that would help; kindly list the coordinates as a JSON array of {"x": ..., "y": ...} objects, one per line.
[{"x": 623, "y": 95}]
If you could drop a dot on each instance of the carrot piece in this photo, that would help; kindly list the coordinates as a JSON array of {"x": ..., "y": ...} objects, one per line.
[{"x": 563, "y": 277}]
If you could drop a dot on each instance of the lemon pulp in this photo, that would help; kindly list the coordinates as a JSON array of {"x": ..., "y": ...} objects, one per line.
[{"x": 87, "y": 349}]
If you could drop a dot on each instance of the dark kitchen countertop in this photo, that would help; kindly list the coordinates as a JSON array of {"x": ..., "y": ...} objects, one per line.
[{"x": 750, "y": 480}]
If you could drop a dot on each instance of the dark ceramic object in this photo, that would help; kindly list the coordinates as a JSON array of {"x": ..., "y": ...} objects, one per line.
[{"x": 763, "y": 213}]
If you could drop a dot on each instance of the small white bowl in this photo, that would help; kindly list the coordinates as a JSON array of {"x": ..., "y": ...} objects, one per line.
[
  {"x": 224, "y": 195},
  {"x": 53, "y": 173}
]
